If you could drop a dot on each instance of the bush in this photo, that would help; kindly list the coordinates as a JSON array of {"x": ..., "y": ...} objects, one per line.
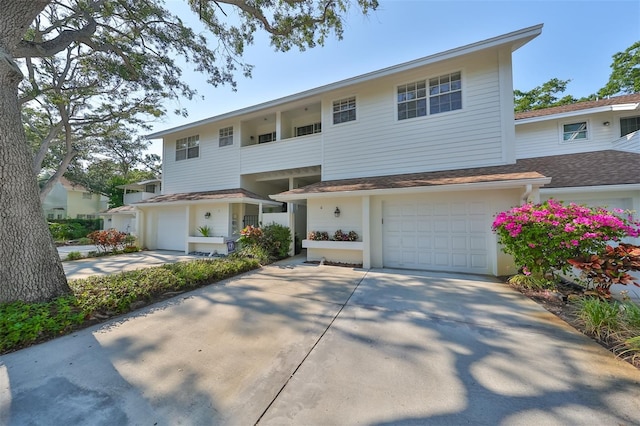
[
  {"x": 74, "y": 255},
  {"x": 271, "y": 241},
  {"x": 542, "y": 237},
  {"x": 71, "y": 229},
  {"x": 599, "y": 316},
  {"x": 85, "y": 241},
  {"x": 110, "y": 240}
]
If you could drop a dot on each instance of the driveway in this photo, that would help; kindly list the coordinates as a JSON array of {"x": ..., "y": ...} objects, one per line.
[{"x": 313, "y": 345}]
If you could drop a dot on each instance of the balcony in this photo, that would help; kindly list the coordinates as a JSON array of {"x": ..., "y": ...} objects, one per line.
[
  {"x": 303, "y": 151},
  {"x": 135, "y": 197}
]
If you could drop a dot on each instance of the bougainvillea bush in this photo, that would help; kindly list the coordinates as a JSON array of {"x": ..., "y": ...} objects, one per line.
[{"x": 542, "y": 237}]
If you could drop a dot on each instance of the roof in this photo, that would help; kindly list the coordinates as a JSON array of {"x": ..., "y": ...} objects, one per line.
[
  {"x": 239, "y": 195},
  {"x": 596, "y": 168},
  {"x": 571, "y": 170},
  {"x": 582, "y": 106},
  {"x": 71, "y": 186},
  {"x": 120, "y": 210},
  {"x": 515, "y": 39}
]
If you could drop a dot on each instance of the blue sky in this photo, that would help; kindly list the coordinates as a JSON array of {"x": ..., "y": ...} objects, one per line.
[{"x": 577, "y": 42}]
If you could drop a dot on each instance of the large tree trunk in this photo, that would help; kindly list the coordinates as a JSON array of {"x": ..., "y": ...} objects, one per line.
[{"x": 30, "y": 268}]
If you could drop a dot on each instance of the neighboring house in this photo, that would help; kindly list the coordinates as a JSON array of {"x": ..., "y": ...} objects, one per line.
[
  {"x": 68, "y": 200},
  {"x": 590, "y": 149},
  {"x": 416, "y": 159},
  {"x": 124, "y": 218}
]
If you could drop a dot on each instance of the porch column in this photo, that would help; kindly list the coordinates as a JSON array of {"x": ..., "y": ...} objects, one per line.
[
  {"x": 186, "y": 237},
  {"x": 291, "y": 218},
  {"x": 366, "y": 232},
  {"x": 260, "y": 213},
  {"x": 140, "y": 227}
]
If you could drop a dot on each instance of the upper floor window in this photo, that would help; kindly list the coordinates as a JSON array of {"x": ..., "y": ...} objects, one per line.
[
  {"x": 629, "y": 125},
  {"x": 150, "y": 188},
  {"x": 344, "y": 110},
  {"x": 445, "y": 93},
  {"x": 309, "y": 129},
  {"x": 225, "y": 136},
  {"x": 188, "y": 148},
  {"x": 87, "y": 196},
  {"x": 574, "y": 131},
  {"x": 412, "y": 100}
]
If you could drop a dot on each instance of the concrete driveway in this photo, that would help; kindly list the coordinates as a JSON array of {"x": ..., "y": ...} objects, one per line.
[{"x": 317, "y": 345}]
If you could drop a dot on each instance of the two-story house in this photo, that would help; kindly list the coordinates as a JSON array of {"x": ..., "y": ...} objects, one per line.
[
  {"x": 590, "y": 149},
  {"x": 415, "y": 158},
  {"x": 71, "y": 200}
]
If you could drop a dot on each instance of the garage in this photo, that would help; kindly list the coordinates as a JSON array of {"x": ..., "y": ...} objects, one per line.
[
  {"x": 172, "y": 229},
  {"x": 447, "y": 233}
]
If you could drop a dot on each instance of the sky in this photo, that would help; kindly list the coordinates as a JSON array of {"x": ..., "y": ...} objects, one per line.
[{"x": 577, "y": 42}]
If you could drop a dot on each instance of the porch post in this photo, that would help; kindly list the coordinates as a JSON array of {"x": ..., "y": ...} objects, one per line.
[
  {"x": 291, "y": 218},
  {"x": 366, "y": 232},
  {"x": 260, "y": 214}
]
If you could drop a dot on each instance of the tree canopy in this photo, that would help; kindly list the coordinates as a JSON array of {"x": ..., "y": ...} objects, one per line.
[{"x": 77, "y": 69}]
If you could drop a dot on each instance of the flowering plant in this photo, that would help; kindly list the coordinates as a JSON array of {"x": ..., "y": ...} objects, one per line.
[
  {"x": 318, "y": 236},
  {"x": 542, "y": 237},
  {"x": 342, "y": 236}
]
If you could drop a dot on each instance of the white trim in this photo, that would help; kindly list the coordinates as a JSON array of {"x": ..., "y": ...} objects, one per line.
[
  {"x": 587, "y": 131},
  {"x": 418, "y": 189},
  {"x": 586, "y": 111},
  {"x": 516, "y": 39},
  {"x": 599, "y": 188},
  {"x": 356, "y": 109},
  {"x": 214, "y": 201},
  {"x": 333, "y": 245}
]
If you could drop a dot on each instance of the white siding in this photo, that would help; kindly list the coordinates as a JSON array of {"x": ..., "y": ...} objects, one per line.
[
  {"x": 304, "y": 151},
  {"x": 630, "y": 142},
  {"x": 215, "y": 168},
  {"x": 544, "y": 138},
  {"x": 378, "y": 144}
]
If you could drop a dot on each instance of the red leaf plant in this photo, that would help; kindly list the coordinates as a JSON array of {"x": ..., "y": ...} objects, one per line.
[{"x": 610, "y": 267}]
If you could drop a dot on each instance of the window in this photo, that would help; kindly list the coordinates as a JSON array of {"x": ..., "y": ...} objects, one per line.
[
  {"x": 225, "y": 136},
  {"x": 412, "y": 100},
  {"x": 629, "y": 125},
  {"x": 150, "y": 188},
  {"x": 445, "y": 93},
  {"x": 309, "y": 129},
  {"x": 87, "y": 195},
  {"x": 81, "y": 216},
  {"x": 49, "y": 216},
  {"x": 344, "y": 110},
  {"x": 574, "y": 131},
  {"x": 267, "y": 137},
  {"x": 188, "y": 148}
]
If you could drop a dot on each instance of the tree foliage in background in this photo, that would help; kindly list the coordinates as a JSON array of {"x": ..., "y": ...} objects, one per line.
[
  {"x": 624, "y": 79},
  {"x": 87, "y": 61}
]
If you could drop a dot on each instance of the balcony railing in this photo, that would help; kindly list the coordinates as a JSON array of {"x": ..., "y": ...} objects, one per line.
[
  {"x": 290, "y": 153},
  {"x": 135, "y": 197},
  {"x": 630, "y": 142}
]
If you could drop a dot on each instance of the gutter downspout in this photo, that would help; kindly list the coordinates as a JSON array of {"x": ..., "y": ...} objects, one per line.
[{"x": 525, "y": 196}]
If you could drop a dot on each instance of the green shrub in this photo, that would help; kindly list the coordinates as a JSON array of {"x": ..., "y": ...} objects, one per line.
[
  {"x": 600, "y": 317},
  {"x": 74, "y": 255},
  {"x": 531, "y": 282},
  {"x": 71, "y": 229},
  {"x": 84, "y": 241},
  {"x": 273, "y": 239}
]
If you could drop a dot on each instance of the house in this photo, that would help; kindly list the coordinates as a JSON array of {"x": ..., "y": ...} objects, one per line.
[
  {"x": 70, "y": 200},
  {"x": 416, "y": 159},
  {"x": 124, "y": 218},
  {"x": 590, "y": 149}
]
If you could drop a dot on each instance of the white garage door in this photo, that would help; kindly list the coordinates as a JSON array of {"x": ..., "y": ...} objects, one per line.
[
  {"x": 437, "y": 234},
  {"x": 172, "y": 229}
]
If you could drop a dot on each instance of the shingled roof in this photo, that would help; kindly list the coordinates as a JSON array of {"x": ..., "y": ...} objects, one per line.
[
  {"x": 617, "y": 100},
  {"x": 571, "y": 170},
  {"x": 205, "y": 196}
]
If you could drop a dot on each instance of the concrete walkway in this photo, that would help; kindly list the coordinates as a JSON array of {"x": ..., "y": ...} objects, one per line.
[{"x": 315, "y": 345}]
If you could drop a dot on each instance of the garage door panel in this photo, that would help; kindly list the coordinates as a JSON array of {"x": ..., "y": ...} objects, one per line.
[{"x": 439, "y": 234}]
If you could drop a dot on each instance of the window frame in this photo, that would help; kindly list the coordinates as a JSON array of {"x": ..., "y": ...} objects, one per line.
[
  {"x": 346, "y": 100},
  {"x": 190, "y": 143},
  {"x": 633, "y": 117},
  {"x": 586, "y": 131},
  {"x": 267, "y": 137},
  {"x": 442, "y": 94},
  {"x": 87, "y": 195},
  {"x": 225, "y": 136},
  {"x": 415, "y": 99},
  {"x": 315, "y": 128}
]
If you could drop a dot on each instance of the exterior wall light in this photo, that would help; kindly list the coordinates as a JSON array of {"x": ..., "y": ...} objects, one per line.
[
  {"x": 606, "y": 123},
  {"x": 336, "y": 213},
  {"x": 207, "y": 215}
]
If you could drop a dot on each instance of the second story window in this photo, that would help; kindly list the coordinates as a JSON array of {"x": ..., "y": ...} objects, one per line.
[
  {"x": 188, "y": 148},
  {"x": 412, "y": 100},
  {"x": 629, "y": 125},
  {"x": 574, "y": 131},
  {"x": 344, "y": 110},
  {"x": 445, "y": 93},
  {"x": 225, "y": 136}
]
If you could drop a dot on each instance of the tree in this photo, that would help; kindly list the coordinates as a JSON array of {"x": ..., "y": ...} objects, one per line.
[
  {"x": 625, "y": 73},
  {"x": 543, "y": 96},
  {"x": 119, "y": 36}
]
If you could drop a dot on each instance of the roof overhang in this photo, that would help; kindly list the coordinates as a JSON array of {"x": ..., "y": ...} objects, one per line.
[
  {"x": 587, "y": 111},
  {"x": 591, "y": 189},
  {"x": 229, "y": 200},
  {"x": 515, "y": 40},
  {"x": 475, "y": 186}
]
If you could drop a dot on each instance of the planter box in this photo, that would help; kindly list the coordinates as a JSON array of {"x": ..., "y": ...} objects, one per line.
[
  {"x": 333, "y": 245},
  {"x": 206, "y": 240}
]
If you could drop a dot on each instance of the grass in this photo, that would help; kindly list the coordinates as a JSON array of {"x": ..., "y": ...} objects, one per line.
[{"x": 23, "y": 324}]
